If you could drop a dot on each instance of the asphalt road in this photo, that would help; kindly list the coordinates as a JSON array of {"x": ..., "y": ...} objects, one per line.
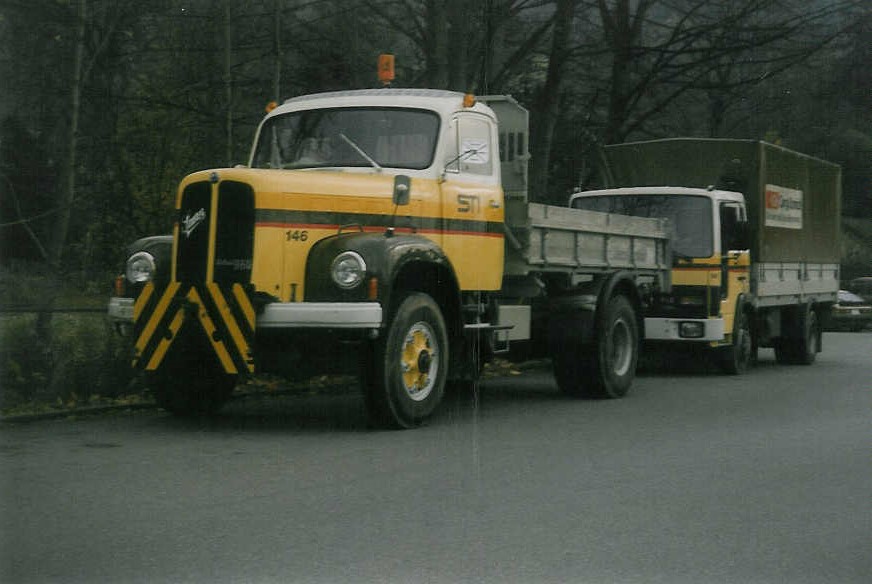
[{"x": 694, "y": 478}]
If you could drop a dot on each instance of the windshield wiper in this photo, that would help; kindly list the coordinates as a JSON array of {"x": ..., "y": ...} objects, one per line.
[{"x": 360, "y": 151}]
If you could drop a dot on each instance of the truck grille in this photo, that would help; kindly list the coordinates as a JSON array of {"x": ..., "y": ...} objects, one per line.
[{"x": 234, "y": 233}]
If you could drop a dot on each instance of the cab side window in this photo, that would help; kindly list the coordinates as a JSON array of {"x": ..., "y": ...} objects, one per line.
[
  {"x": 472, "y": 150},
  {"x": 734, "y": 227}
]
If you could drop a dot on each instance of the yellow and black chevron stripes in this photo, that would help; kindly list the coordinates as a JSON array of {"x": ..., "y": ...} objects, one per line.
[{"x": 223, "y": 314}]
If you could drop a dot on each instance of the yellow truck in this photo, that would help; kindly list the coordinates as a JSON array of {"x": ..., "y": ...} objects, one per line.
[
  {"x": 756, "y": 244},
  {"x": 387, "y": 232}
]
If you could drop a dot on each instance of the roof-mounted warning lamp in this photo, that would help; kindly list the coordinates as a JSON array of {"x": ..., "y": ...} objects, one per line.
[{"x": 386, "y": 69}]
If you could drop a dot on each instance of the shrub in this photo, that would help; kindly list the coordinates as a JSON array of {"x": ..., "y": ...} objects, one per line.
[{"x": 85, "y": 360}]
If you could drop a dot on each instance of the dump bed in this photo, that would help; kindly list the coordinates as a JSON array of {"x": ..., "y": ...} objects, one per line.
[
  {"x": 793, "y": 200},
  {"x": 547, "y": 238}
]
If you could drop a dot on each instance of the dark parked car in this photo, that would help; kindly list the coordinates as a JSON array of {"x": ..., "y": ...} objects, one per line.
[
  {"x": 850, "y": 312},
  {"x": 862, "y": 287}
]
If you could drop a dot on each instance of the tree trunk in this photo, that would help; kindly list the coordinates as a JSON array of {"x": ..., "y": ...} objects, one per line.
[
  {"x": 438, "y": 51},
  {"x": 277, "y": 51},
  {"x": 68, "y": 180},
  {"x": 458, "y": 14},
  {"x": 549, "y": 103},
  {"x": 228, "y": 80},
  {"x": 621, "y": 30}
]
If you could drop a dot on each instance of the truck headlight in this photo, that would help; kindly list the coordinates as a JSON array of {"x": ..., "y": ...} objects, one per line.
[
  {"x": 140, "y": 267},
  {"x": 348, "y": 269}
]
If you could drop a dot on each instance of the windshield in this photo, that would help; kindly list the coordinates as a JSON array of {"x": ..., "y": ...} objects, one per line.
[
  {"x": 390, "y": 137},
  {"x": 691, "y": 217},
  {"x": 846, "y": 297}
]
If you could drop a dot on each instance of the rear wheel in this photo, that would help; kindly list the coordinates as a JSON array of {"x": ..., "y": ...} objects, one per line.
[
  {"x": 808, "y": 346},
  {"x": 804, "y": 349},
  {"x": 607, "y": 368},
  {"x": 404, "y": 377}
]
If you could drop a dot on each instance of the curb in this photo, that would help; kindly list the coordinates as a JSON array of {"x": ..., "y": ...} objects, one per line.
[
  {"x": 100, "y": 409},
  {"x": 88, "y": 410}
]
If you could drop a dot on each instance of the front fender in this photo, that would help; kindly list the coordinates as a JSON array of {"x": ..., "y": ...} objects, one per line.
[
  {"x": 385, "y": 257},
  {"x": 576, "y": 315},
  {"x": 623, "y": 282}
]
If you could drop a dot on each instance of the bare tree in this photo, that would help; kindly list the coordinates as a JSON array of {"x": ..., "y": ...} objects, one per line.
[
  {"x": 84, "y": 59},
  {"x": 547, "y": 111},
  {"x": 659, "y": 50},
  {"x": 455, "y": 39}
]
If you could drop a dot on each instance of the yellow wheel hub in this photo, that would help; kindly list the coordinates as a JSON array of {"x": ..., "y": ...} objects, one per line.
[{"x": 419, "y": 361}]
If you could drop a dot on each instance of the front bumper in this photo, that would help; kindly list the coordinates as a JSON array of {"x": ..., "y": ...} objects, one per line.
[
  {"x": 333, "y": 315},
  {"x": 670, "y": 329},
  {"x": 282, "y": 315},
  {"x": 120, "y": 310}
]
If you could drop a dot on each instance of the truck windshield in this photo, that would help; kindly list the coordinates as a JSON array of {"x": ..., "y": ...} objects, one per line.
[
  {"x": 390, "y": 137},
  {"x": 690, "y": 216}
]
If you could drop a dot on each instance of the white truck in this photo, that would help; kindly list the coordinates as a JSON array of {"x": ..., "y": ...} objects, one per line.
[{"x": 756, "y": 246}]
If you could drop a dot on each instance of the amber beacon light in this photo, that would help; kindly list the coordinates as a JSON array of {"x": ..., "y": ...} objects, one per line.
[{"x": 386, "y": 68}]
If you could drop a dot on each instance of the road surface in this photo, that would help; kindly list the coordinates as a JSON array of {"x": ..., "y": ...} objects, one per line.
[{"x": 693, "y": 478}]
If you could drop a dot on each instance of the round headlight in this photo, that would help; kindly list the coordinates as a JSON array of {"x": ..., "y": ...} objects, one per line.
[
  {"x": 348, "y": 269},
  {"x": 140, "y": 267}
]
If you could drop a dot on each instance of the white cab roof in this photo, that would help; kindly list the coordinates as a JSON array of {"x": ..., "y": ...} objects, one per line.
[
  {"x": 686, "y": 191},
  {"x": 443, "y": 102}
]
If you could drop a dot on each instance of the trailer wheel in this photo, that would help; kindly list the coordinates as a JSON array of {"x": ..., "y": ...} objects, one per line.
[
  {"x": 802, "y": 350},
  {"x": 735, "y": 359},
  {"x": 607, "y": 368},
  {"x": 806, "y": 348},
  {"x": 404, "y": 375},
  {"x": 202, "y": 393}
]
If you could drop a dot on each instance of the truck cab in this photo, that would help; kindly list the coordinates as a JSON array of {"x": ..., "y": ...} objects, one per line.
[
  {"x": 710, "y": 255},
  {"x": 346, "y": 149}
]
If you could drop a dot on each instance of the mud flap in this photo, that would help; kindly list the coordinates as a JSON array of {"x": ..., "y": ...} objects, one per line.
[{"x": 223, "y": 314}]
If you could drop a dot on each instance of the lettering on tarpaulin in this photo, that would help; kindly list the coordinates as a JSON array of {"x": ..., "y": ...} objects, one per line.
[{"x": 783, "y": 207}]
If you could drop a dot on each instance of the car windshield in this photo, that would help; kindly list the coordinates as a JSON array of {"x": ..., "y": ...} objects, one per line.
[
  {"x": 347, "y": 137},
  {"x": 690, "y": 216},
  {"x": 846, "y": 297}
]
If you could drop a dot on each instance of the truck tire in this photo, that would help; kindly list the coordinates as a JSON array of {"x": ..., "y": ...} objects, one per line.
[
  {"x": 804, "y": 349},
  {"x": 200, "y": 394},
  {"x": 404, "y": 376},
  {"x": 735, "y": 359},
  {"x": 607, "y": 368}
]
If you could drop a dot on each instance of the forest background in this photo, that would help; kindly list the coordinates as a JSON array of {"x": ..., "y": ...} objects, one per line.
[{"x": 106, "y": 104}]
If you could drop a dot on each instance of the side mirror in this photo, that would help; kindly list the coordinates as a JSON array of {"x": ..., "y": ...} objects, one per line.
[
  {"x": 735, "y": 232},
  {"x": 743, "y": 235},
  {"x": 402, "y": 189}
]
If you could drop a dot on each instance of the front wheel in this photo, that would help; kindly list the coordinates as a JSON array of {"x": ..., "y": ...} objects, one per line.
[
  {"x": 736, "y": 358},
  {"x": 404, "y": 375},
  {"x": 607, "y": 368}
]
